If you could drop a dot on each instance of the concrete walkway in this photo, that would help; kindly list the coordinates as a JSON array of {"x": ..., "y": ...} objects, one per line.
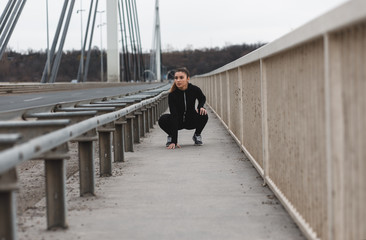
[{"x": 196, "y": 192}]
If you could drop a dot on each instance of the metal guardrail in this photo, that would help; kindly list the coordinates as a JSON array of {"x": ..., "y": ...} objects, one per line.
[{"x": 84, "y": 124}]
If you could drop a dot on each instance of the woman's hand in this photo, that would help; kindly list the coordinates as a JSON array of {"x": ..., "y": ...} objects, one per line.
[
  {"x": 173, "y": 146},
  {"x": 202, "y": 111}
]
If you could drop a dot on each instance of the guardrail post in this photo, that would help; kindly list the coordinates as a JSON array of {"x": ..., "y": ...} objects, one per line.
[
  {"x": 119, "y": 143},
  {"x": 151, "y": 116},
  {"x": 153, "y": 109},
  {"x": 156, "y": 113},
  {"x": 86, "y": 162},
  {"x": 147, "y": 119},
  {"x": 8, "y": 186},
  {"x": 55, "y": 171},
  {"x": 105, "y": 149},
  {"x": 143, "y": 122},
  {"x": 163, "y": 105},
  {"x": 136, "y": 126},
  {"x": 86, "y": 167},
  {"x": 156, "y": 108},
  {"x": 129, "y": 134},
  {"x": 7, "y": 205},
  {"x": 56, "y": 193},
  {"x": 160, "y": 106}
]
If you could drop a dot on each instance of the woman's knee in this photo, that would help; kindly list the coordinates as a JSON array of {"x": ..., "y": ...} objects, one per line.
[
  {"x": 204, "y": 118},
  {"x": 164, "y": 119}
]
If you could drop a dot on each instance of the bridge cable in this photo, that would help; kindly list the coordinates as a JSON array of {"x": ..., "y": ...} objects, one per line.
[
  {"x": 125, "y": 54},
  {"x": 5, "y": 36},
  {"x": 135, "y": 42},
  {"x": 133, "y": 39},
  {"x": 6, "y": 13},
  {"x": 62, "y": 42},
  {"x": 81, "y": 71},
  {"x": 130, "y": 38},
  {"x": 141, "y": 59},
  {"x": 46, "y": 75},
  {"x": 90, "y": 43}
]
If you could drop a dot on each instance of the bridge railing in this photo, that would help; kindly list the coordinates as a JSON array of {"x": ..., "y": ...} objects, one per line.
[{"x": 297, "y": 107}]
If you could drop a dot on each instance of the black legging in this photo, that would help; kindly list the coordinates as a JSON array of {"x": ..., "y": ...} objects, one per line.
[{"x": 195, "y": 121}]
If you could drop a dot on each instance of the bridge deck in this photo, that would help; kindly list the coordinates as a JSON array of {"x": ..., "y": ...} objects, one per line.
[{"x": 205, "y": 192}]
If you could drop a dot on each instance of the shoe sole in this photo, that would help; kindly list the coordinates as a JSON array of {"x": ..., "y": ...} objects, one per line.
[{"x": 196, "y": 144}]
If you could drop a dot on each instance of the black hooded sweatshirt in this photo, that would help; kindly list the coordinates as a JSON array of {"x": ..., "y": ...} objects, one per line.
[{"x": 182, "y": 106}]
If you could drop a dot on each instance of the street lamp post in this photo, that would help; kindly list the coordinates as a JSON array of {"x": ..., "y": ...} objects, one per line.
[
  {"x": 101, "y": 45},
  {"x": 48, "y": 45},
  {"x": 101, "y": 52},
  {"x": 81, "y": 73}
]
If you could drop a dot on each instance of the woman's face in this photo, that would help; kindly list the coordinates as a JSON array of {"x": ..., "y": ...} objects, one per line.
[{"x": 181, "y": 80}]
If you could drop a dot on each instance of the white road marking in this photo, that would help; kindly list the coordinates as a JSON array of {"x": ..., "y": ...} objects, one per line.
[{"x": 33, "y": 99}]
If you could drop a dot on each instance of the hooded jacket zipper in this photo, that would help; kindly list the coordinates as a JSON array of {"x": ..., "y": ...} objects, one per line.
[{"x": 185, "y": 107}]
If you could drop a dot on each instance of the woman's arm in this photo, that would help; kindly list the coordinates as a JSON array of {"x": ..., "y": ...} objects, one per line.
[
  {"x": 174, "y": 113},
  {"x": 172, "y": 107},
  {"x": 201, "y": 98}
]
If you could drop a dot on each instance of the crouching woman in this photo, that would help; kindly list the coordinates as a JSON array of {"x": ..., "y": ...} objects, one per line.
[{"x": 183, "y": 114}]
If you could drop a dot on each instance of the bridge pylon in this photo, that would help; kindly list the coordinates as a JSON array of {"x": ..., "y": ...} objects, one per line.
[
  {"x": 113, "y": 71},
  {"x": 155, "y": 54}
]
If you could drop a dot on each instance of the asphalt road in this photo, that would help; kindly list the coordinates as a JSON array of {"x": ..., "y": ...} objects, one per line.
[{"x": 22, "y": 101}]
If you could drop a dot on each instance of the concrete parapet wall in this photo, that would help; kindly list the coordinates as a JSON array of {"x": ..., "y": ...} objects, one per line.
[
  {"x": 297, "y": 107},
  {"x": 9, "y": 88}
]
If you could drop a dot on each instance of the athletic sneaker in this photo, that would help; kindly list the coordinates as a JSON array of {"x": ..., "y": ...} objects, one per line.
[
  {"x": 168, "y": 141},
  {"x": 197, "y": 139}
]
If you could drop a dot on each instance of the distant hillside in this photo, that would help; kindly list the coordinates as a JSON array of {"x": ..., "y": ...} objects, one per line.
[
  {"x": 28, "y": 67},
  {"x": 16, "y": 67},
  {"x": 205, "y": 60}
]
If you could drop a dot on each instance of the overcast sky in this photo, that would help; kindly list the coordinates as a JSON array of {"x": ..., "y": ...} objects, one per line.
[{"x": 184, "y": 23}]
